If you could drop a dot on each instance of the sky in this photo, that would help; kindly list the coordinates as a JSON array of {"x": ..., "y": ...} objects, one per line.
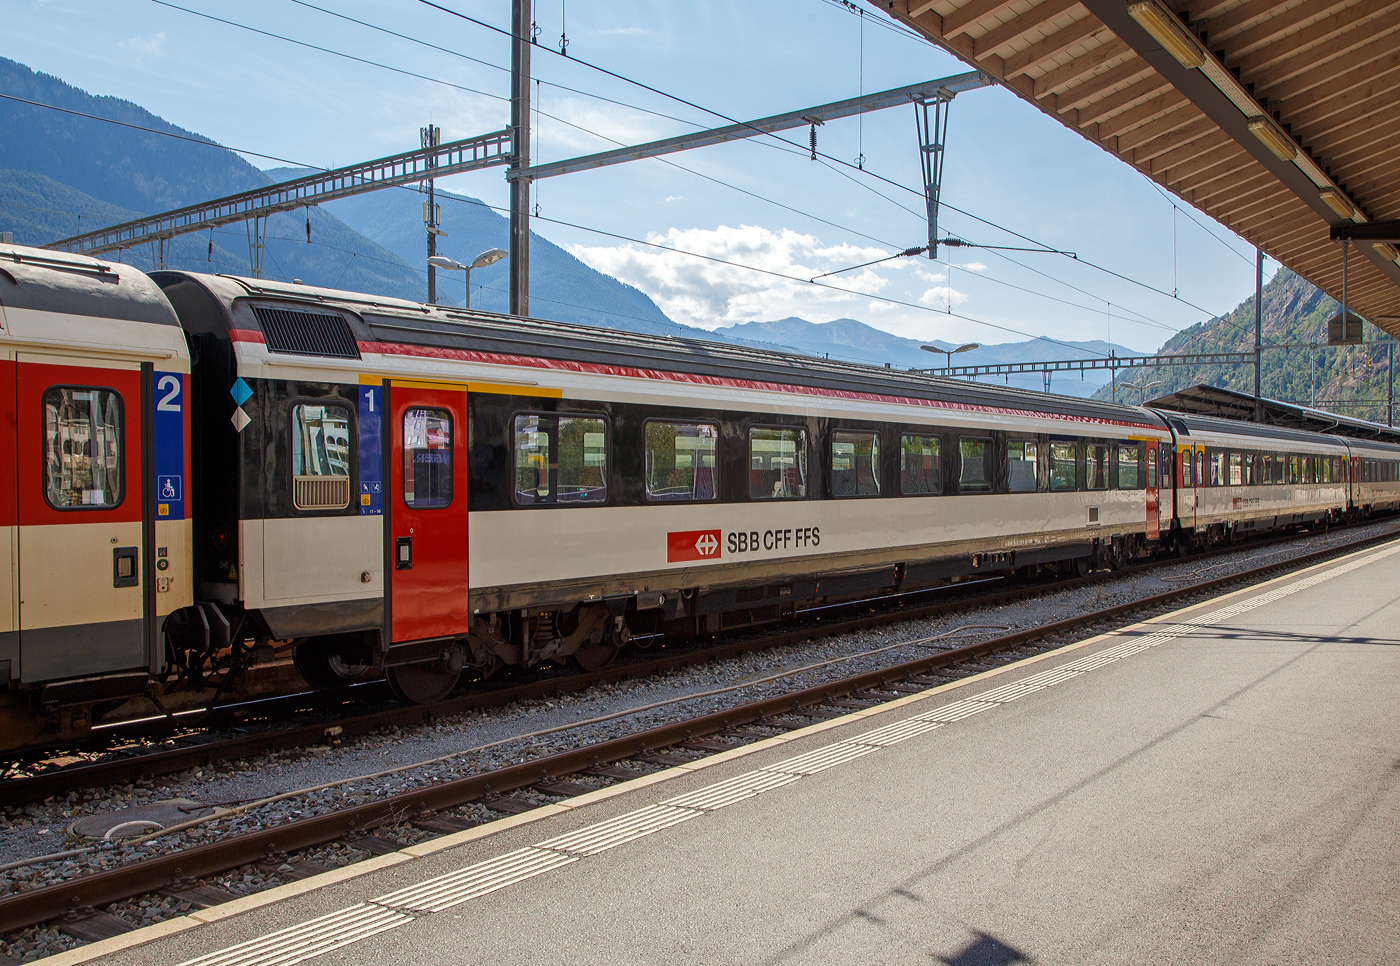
[{"x": 766, "y": 217}]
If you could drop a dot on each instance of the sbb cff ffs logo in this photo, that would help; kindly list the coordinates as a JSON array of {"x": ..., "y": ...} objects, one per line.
[{"x": 685, "y": 545}]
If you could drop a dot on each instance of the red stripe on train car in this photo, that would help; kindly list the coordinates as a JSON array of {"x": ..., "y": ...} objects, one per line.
[{"x": 661, "y": 375}]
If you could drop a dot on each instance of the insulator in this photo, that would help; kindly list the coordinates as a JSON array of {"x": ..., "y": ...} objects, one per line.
[{"x": 814, "y": 142}]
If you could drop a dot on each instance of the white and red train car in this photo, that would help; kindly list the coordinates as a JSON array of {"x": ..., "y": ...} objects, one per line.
[{"x": 215, "y": 473}]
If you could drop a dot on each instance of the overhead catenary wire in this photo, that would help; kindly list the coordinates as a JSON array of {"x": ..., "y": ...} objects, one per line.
[
  {"x": 648, "y": 87},
  {"x": 681, "y": 167}
]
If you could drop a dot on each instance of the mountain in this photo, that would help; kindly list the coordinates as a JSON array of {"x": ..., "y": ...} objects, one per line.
[
  {"x": 55, "y": 166},
  {"x": 854, "y": 341},
  {"x": 1301, "y": 368}
]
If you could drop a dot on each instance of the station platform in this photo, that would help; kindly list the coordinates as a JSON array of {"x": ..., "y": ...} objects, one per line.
[{"x": 1220, "y": 784}]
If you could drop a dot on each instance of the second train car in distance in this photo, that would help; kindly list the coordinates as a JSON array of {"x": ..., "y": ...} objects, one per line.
[{"x": 385, "y": 485}]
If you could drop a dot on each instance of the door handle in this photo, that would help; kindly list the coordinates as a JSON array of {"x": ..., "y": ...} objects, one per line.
[
  {"x": 124, "y": 572},
  {"x": 403, "y": 553}
]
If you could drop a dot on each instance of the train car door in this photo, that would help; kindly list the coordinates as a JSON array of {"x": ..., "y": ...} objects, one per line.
[
  {"x": 1186, "y": 489},
  {"x": 1153, "y": 508},
  {"x": 428, "y": 519},
  {"x": 9, "y": 535},
  {"x": 81, "y": 523}
]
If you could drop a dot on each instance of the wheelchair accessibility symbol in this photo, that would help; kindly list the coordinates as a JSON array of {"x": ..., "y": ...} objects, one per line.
[{"x": 168, "y": 488}]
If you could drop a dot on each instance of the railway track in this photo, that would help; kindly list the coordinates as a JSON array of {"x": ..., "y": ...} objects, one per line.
[
  {"x": 178, "y": 873},
  {"x": 811, "y": 624}
]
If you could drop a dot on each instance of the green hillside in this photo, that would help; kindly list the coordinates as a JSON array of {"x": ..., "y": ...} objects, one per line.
[{"x": 1298, "y": 366}]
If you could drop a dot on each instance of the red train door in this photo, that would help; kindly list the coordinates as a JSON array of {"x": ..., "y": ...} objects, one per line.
[
  {"x": 428, "y": 519},
  {"x": 83, "y": 567}
]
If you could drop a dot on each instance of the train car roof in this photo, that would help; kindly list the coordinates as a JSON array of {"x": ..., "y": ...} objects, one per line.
[
  {"x": 45, "y": 281},
  {"x": 1208, "y": 429},
  {"x": 388, "y": 320}
]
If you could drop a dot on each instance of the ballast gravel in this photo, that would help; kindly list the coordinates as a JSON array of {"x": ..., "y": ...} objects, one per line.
[{"x": 453, "y": 746}]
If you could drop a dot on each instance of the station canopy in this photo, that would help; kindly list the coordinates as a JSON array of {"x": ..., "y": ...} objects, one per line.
[
  {"x": 1230, "y": 404},
  {"x": 1281, "y": 120}
]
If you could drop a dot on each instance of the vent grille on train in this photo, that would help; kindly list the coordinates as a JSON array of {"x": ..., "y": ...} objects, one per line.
[
  {"x": 306, "y": 333},
  {"x": 321, "y": 492}
]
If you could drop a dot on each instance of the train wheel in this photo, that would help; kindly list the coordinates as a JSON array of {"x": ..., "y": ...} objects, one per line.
[
  {"x": 595, "y": 657},
  {"x": 422, "y": 683},
  {"x": 318, "y": 661}
]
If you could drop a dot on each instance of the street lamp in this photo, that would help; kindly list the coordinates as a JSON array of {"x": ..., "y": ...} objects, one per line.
[
  {"x": 949, "y": 353},
  {"x": 488, "y": 257},
  {"x": 1142, "y": 389}
]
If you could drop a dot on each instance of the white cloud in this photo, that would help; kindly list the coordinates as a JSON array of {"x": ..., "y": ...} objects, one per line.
[
  {"x": 709, "y": 293},
  {"x": 145, "y": 46},
  {"x": 671, "y": 198},
  {"x": 586, "y": 126},
  {"x": 973, "y": 267},
  {"x": 941, "y": 295},
  {"x": 877, "y": 307}
]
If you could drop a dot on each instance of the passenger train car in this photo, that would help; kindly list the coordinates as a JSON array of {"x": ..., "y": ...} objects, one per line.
[{"x": 377, "y": 487}]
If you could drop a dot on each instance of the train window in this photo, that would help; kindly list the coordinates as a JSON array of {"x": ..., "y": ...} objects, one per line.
[
  {"x": 777, "y": 463},
  {"x": 583, "y": 460},
  {"x": 427, "y": 458},
  {"x": 1130, "y": 467},
  {"x": 1251, "y": 469},
  {"x": 920, "y": 466},
  {"x": 1096, "y": 467},
  {"x": 855, "y": 464},
  {"x": 1236, "y": 469},
  {"x": 681, "y": 460},
  {"x": 1062, "y": 466},
  {"x": 1216, "y": 459},
  {"x": 1324, "y": 470},
  {"x": 1280, "y": 468},
  {"x": 532, "y": 458},
  {"x": 320, "y": 456},
  {"x": 1021, "y": 465},
  {"x": 1152, "y": 467},
  {"x": 83, "y": 448},
  {"x": 974, "y": 465},
  {"x": 1295, "y": 469},
  {"x": 1186, "y": 477},
  {"x": 560, "y": 459}
]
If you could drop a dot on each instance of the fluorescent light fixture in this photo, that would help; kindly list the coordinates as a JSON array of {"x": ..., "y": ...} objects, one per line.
[
  {"x": 1272, "y": 138},
  {"x": 1337, "y": 201},
  {"x": 1168, "y": 31},
  {"x": 1388, "y": 250}
]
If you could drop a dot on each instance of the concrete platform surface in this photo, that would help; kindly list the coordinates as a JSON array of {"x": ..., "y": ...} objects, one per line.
[{"x": 1220, "y": 785}]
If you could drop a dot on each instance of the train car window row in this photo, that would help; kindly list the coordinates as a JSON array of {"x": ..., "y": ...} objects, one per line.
[
  {"x": 320, "y": 456},
  {"x": 560, "y": 458},
  {"x": 1380, "y": 471},
  {"x": 1242, "y": 468},
  {"x": 83, "y": 447}
]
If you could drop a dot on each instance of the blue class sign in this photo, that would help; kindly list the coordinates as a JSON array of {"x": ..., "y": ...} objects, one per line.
[
  {"x": 371, "y": 451},
  {"x": 170, "y": 445}
]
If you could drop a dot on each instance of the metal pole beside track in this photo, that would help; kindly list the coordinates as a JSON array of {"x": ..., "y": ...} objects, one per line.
[
  {"x": 1258, "y": 328},
  {"x": 520, "y": 136}
]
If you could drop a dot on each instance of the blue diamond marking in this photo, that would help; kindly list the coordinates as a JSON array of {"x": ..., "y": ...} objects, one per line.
[{"x": 239, "y": 391}]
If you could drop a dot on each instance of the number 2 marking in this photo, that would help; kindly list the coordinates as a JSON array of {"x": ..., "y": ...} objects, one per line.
[{"x": 168, "y": 402}]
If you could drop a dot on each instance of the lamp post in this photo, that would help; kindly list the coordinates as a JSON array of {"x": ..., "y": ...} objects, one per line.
[
  {"x": 488, "y": 257},
  {"x": 949, "y": 353},
  {"x": 1142, "y": 389}
]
